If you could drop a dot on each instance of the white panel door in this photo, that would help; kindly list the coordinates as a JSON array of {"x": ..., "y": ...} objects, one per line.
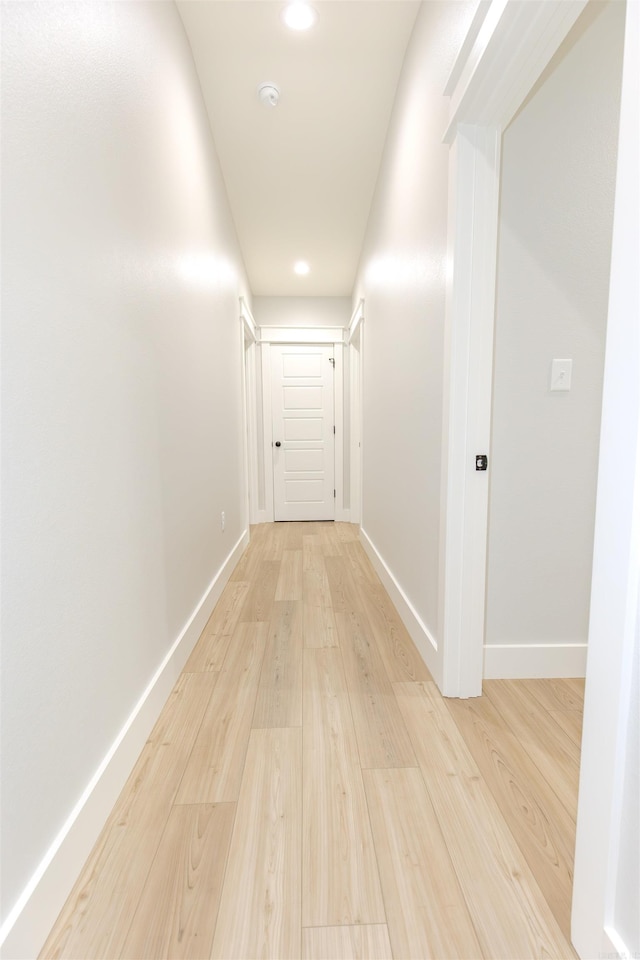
[{"x": 303, "y": 432}]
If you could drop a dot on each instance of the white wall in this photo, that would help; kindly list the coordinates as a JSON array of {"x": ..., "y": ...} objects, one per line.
[
  {"x": 402, "y": 279},
  {"x": 557, "y": 195},
  {"x": 121, "y": 388},
  {"x": 302, "y": 311}
]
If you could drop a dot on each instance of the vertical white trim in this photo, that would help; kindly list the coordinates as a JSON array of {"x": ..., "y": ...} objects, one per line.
[
  {"x": 360, "y": 415},
  {"x": 355, "y": 407},
  {"x": 249, "y": 336},
  {"x": 267, "y": 423},
  {"x": 247, "y": 319},
  {"x": 475, "y": 169},
  {"x": 354, "y": 337},
  {"x": 614, "y": 623},
  {"x": 354, "y": 324},
  {"x": 246, "y": 472},
  {"x": 252, "y": 433},
  {"x": 341, "y": 513}
]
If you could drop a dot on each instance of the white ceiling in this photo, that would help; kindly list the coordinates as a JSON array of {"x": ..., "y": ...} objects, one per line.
[{"x": 301, "y": 176}]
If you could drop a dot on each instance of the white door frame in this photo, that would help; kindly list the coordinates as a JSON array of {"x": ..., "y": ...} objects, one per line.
[
  {"x": 301, "y": 336},
  {"x": 603, "y": 834},
  {"x": 248, "y": 337},
  {"x": 355, "y": 340},
  {"x": 511, "y": 49}
]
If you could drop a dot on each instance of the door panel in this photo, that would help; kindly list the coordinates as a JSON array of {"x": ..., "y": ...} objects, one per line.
[
  {"x": 303, "y": 461},
  {"x": 303, "y": 491},
  {"x": 302, "y": 398},
  {"x": 304, "y": 428},
  {"x": 302, "y": 412},
  {"x": 302, "y": 366}
]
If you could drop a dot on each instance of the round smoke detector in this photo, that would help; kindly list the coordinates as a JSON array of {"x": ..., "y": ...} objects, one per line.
[{"x": 269, "y": 94}]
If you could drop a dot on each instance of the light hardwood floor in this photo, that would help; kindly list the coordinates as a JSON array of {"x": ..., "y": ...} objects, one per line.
[{"x": 307, "y": 792}]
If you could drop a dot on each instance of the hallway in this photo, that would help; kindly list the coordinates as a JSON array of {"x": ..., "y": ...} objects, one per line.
[{"x": 307, "y": 792}]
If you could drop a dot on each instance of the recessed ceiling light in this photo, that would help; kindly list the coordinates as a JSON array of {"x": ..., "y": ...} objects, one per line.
[
  {"x": 299, "y": 15},
  {"x": 301, "y": 268}
]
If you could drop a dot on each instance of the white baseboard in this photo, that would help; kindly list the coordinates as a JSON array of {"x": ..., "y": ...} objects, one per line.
[
  {"x": 419, "y": 632},
  {"x": 27, "y": 926},
  {"x": 534, "y": 660},
  {"x": 266, "y": 516}
]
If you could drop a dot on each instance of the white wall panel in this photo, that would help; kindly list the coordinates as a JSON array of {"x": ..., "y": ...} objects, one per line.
[
  {"x": 121, "y": 388},
  {"x": 402, "y": 278}
]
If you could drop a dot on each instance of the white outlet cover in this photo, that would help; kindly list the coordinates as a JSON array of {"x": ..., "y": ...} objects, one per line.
[{"x": 561, "y": 375}]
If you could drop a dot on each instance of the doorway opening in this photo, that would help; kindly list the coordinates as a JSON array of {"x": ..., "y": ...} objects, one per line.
[
  {"x": 557, "y": 187},
  {"x": 299, "y": 391},
  {"x": 303, "y": 431}
]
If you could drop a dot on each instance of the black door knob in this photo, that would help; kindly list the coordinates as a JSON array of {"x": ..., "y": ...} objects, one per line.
[{"x": 278, "y": 443}]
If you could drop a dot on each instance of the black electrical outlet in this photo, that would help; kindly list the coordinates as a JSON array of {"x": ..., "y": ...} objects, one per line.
[{"x": 481, "y": 461}]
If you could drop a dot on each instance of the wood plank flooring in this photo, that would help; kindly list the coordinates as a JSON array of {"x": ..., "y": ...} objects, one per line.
[{"x": 307, "y": 792}]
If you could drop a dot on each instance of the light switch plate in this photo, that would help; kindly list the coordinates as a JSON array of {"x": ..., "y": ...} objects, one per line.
[{"x": 561, "y": 374}]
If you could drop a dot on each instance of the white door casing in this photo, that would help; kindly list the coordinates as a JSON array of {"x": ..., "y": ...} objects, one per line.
[
  {"x": 515, "y": 43},
  {"x": 355, "y": 339},
  {"x": 267, "y": 339},
  {"x": 512, "y": 47},
  {"x": 248, "y": 344},
  {"x": 303, "y": 431},
  {"x": 606, "y": 892}
]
